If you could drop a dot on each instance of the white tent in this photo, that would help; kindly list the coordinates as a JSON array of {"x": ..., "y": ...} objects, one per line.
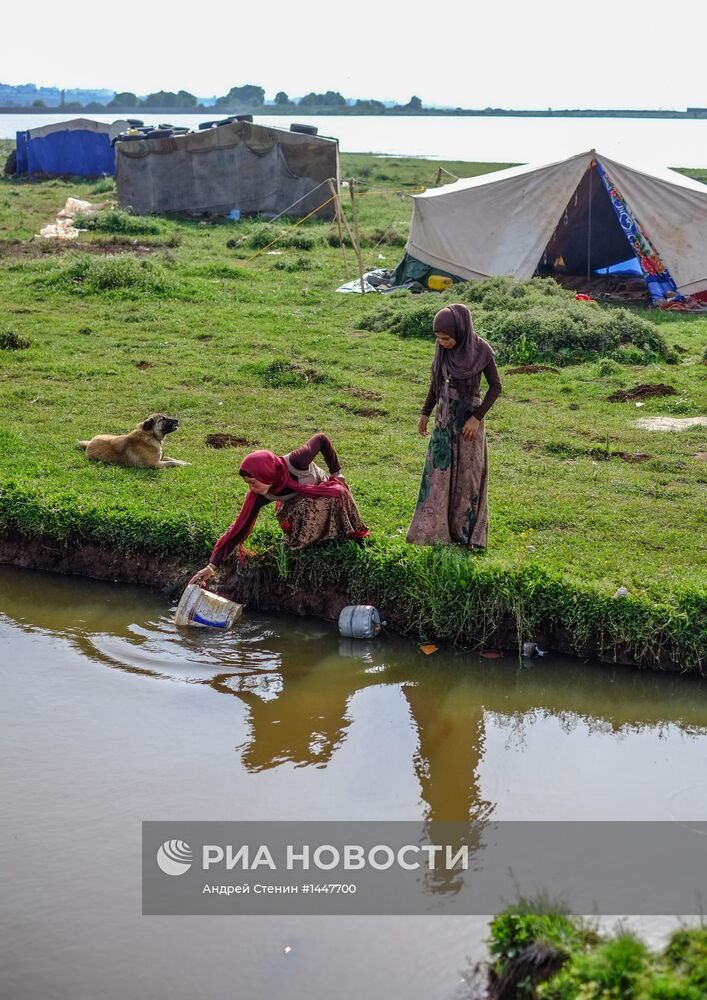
[{"x": 588, "y": 211}]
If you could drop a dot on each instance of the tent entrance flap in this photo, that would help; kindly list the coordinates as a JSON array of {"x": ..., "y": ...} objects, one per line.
[{"x": 588, "y": 236}]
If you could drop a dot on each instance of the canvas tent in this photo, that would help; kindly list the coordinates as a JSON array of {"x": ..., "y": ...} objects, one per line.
[
  {"x": 250, "y": 168},
  {"x": 80, "y": 147},
  {"x": 581, "y": 216}
]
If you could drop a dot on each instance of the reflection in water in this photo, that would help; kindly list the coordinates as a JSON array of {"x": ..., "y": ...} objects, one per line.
[{"x": 297, "y": 680}]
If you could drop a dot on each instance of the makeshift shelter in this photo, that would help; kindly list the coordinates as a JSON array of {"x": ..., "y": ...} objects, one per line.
[
  {"x": 583, "y": 216},
  {"x": 80, "y": 147},
  {"x": 237, "y": 167}
]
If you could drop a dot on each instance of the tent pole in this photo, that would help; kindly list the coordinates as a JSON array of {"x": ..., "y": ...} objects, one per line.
[
  {"x": 338, "y": 214},
  {"x": 356, "y": 242},
  {"x": 589, "y": 229}
]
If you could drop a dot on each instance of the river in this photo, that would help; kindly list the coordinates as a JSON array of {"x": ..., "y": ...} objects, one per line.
[
  {"x": 657, "y": 142},
  {"x": 110, "y": 716}
]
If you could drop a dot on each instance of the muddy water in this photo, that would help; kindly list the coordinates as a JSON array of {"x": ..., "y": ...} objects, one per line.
[{"x": 109, "y": 716}]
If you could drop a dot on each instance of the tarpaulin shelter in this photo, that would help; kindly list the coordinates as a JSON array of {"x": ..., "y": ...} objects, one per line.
[
  {"x": 80, "y": 147},
  {"x": 580, "y": 216},
  {"x": 236, "y": 167}
]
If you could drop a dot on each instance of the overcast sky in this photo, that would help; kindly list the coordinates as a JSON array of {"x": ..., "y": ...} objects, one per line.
[{"x": 501, "y": 53}]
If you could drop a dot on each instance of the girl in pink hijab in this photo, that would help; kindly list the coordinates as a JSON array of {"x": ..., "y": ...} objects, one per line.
[
  {"x": 311, "y": 506},
  {"x": 452, "y": 505}
]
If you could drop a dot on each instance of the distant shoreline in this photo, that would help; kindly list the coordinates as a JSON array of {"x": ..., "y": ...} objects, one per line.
[{"x": 692, "y": 114}]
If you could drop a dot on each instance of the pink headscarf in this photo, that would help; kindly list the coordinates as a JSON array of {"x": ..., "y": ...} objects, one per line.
[
  {"x": 269, "y": 468},
  {"x": 273, "y": 470}
]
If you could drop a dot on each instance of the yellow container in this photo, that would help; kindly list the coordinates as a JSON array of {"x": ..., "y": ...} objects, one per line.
[{"x": 439, "y": 282}]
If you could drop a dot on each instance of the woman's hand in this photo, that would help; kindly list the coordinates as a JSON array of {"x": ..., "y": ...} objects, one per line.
[
  {"x": 470, "y": 428},
  {"x": 202, "y": 576},
  {"x": 422, "y": 425}
]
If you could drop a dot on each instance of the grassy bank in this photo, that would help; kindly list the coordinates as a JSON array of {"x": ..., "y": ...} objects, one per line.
[
  {"x": 179, "y": 316},
  {"x": 546, "y": 955}
]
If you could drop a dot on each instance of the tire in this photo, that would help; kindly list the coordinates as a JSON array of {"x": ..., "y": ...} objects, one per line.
[
  {"x": 205, "y": 125},
  {"x": 304, "y": 129},
  {"x": 136, "y": 122}
]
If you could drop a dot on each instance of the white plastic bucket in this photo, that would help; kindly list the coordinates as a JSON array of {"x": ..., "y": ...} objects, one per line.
[
  {"x": 201, "y": 607},
  {"x": 359, "y": 621}
]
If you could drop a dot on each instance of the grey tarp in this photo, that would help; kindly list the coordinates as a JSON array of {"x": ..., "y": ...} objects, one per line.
[{"x": 238, "y": 166}]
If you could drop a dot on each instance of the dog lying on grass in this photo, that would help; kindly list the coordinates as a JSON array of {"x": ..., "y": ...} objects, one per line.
[{"x": 140, "y": 449}]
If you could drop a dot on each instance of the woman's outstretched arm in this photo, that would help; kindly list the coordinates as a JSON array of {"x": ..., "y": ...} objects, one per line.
[{"x": 238, "y": 532}]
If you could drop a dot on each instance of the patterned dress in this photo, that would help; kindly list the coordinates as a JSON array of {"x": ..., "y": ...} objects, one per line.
[
  {"x": 452, "y": 505},
  {"x": 305, "y": 520}
]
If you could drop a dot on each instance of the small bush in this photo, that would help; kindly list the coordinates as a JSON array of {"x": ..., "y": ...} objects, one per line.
[
  {"x": 264, "y": 234},
  {"x": 617, "y": 968},
  {"x": 117, "y": 220},
  {"x": 533, "y": 321},
  {"x": 104, "y": 186},
  {"x": 333, "y": 239},
  {"x": 282, "y": 373},
  {"x": 389, "y": 237},
  {"x": 301, "y": 264},
  {"x": 87, "y": 274},
  {"x": 608, "y": 367},
  {"x": 11, "y": 341}
]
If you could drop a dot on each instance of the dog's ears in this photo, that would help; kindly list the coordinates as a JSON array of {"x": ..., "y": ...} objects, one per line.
[{"x": 149, "y": 424}]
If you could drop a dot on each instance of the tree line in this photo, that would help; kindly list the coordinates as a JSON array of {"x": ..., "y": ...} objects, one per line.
[{"x": 239, "y": 99}]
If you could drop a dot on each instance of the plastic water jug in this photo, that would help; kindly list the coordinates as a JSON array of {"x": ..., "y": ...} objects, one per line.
[
  {"x": 359, "y": 621},
  {"x": 201, "y": 607},
  {"x": 439, "y": 282}
]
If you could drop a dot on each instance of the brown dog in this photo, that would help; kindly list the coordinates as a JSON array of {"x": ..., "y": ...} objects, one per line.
[{"x": 141, "y": 448}]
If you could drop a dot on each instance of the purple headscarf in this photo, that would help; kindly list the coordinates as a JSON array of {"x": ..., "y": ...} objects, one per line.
[{"x": 463, "y": 362}]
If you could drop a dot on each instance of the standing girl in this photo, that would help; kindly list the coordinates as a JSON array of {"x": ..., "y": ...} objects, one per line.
[{"x": 453, "y": 502}]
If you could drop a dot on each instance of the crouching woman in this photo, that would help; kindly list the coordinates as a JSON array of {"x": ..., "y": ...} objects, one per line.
[{"x": 310, "y": 505}]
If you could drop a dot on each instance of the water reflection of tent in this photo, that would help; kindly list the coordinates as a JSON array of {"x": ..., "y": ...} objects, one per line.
[
  {"x": 239, "y": 165},
  {"x": 589, "y": 212},
  {"x": 80, "y": 147}
]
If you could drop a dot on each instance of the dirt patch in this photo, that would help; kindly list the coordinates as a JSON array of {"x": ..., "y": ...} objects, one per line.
[
  {"x": 679, "y": 349},
  {"x": 531, "y": 370},
  {"x": 701, "y": 456},
  {"x": 366, "y": 394},
  {"x": 642, "y": 392},
  {"x": 205, "y": 336},
  {"x": 10, "y": 249},
  {"x": 142, "y": 365},
  {"x": 364, "y": 411},
  {"x": 222, "y": 440},
  {"x": 670, "y": 423},
  {"x": 638, "y": 456}
]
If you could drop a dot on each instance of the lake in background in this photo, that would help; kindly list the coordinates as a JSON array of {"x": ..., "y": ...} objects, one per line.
[{"x": 650, "y": 141}]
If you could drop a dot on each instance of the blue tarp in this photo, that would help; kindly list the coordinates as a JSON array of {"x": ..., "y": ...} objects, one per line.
[
  {"x": 76, "y": 152},
  {"x": 630, "y": 266}
]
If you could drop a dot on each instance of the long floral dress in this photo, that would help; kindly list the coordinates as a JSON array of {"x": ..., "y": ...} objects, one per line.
[
  {"x": 305, "y": 520},
  {"x": 452, "y": 505}
]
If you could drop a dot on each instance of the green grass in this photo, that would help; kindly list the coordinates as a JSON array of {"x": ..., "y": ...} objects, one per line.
[
  {"x": 615, "y": 967},
  {"x": 272, "y": 355}
]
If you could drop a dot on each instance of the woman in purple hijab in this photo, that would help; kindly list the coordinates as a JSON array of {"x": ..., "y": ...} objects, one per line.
[{"x": 453, "y": 501}]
